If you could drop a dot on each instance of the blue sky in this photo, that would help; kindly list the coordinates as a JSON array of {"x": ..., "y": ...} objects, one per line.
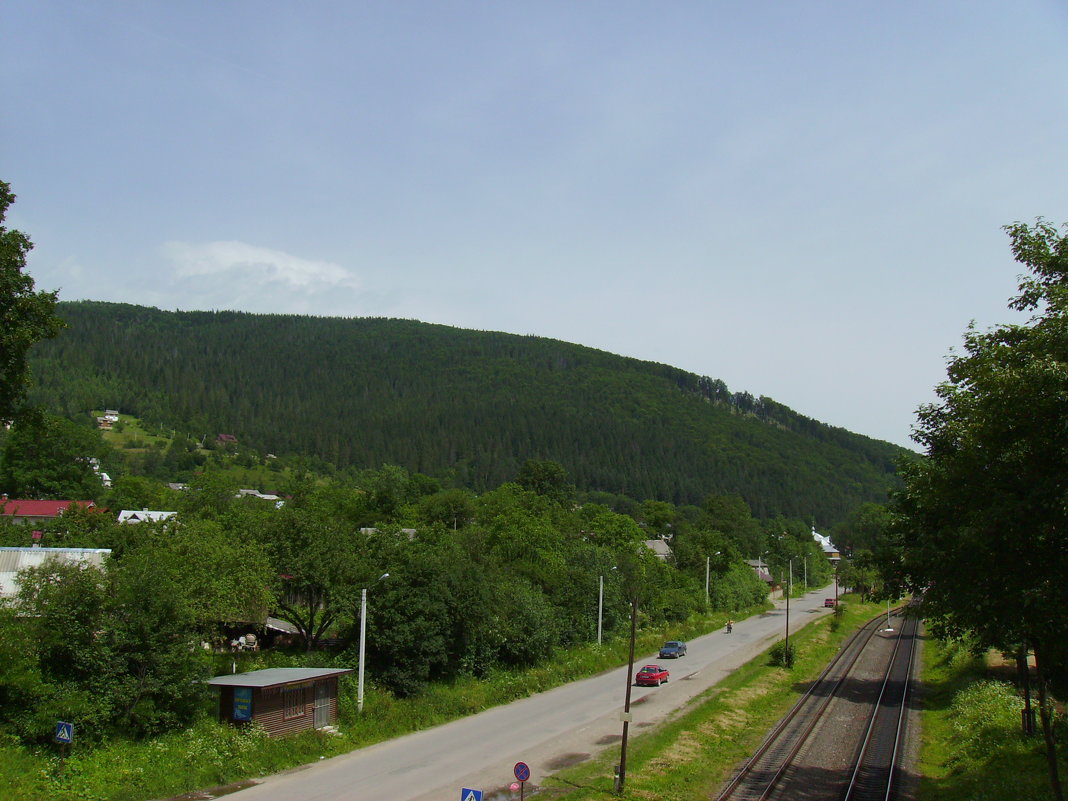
[{"x": 804, "y": 200}]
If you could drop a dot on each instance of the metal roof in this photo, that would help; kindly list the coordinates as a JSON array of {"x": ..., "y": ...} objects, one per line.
[
  {"x": 272, "y": 677},
  {"x": 12, "y": 560}
]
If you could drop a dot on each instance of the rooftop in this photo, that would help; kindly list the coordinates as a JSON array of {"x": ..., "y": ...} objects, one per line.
[{"x": 273, "y": 677}]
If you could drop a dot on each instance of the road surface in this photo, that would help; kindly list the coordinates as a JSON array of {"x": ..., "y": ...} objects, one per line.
[{"x": 548, "y": 731}]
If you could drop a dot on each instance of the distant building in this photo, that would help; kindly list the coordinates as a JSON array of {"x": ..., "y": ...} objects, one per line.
[
  {"x": 143, "y": 516},
  {"x": 761, "y": 570},
  {"x": 12, "y": 560},
  {"x": 829, "y": 550},
  {"x": 226, "y": 439},
  {"x": 109, "y": 419},
  {"x": 28, "y": 511},
  {"x": 660, "y": 548},
  {"x": 251, "y": 493},
  {"x": 408, "y": 532}
]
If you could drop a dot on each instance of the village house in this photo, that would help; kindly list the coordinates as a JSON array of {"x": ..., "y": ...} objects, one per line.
[
  {"x": 35, "y": 512},
  {"x": 143, "y": 516}
]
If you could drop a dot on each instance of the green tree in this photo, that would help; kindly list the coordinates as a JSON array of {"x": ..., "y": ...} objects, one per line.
[
  {"x": 320, "y": 566},
  {"x": 452, "y": 508},
  {"x": 864, "y": 529},
  {"x": 547, "y": 478},
  {"x": 981, "y": 523},
  {"x": 732, "y": 516},
  {"x": 140, "y": 492},
  {"x": 25, "y": 316},
  {"x": 153, "y": 635},
  {"x": 222, "y": 578},
  {"x": 49, "y": 457},
  {"x": 64, "y": 608}
]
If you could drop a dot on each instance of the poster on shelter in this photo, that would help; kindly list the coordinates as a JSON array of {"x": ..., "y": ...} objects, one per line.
[{"x": 242, "y": 703}]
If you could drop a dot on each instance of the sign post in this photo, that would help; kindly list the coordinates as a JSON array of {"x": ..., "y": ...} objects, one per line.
[
  {"x": 64, "y": 736},
  {"x": 522, "y": 772},
  {"x": 467, "y": 794}
]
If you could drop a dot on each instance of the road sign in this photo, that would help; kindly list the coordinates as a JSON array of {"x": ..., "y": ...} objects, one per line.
[
  {"x": 64, "y": 732},
  {"x": 467, "y": 794},
  {"x": 522, "y": 772}
]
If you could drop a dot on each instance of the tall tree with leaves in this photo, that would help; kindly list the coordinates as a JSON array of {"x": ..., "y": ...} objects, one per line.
[
  {"x": 25, "y": 316},
  {"x": 49, "y": 457},
  {"x": 982, "y": 520}
]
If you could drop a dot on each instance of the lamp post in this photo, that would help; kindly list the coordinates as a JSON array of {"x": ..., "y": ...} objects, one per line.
[
  {"x": 708, "y": 569},
  {"x": 600, "y": 606},
  {"x": 363, "y": 640}
]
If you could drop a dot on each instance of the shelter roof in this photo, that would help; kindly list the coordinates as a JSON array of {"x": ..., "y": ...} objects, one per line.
[{"x": 273, "y": 677}]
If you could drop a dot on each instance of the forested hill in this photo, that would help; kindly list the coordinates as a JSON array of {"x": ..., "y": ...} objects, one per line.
[{"x": 472, "y": 405}]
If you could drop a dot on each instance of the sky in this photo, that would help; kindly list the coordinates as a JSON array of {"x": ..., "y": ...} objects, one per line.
[{"x": 802, "y": 199}]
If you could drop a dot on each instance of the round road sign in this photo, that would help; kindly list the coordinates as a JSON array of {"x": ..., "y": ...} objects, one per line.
[{"x": 522, "y": 772}]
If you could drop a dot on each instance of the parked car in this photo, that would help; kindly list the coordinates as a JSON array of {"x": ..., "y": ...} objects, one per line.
[
  {"x": 651, "y": 676},
  {"x": 829, "y": 602},
  {"x": 672, "y": 649}
]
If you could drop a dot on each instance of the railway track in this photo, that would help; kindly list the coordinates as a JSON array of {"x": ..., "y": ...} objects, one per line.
[{"x": 843, "y": 737}]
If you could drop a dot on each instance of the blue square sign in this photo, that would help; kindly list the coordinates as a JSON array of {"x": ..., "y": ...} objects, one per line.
[
  {"x": 64, "y": 732},
  {"x": 467, "y": 794}
]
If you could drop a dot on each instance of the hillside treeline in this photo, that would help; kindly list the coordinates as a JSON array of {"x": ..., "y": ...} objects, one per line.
[
  {"x": 467, "y": 406},
  {"x": 475, "y": 584}
]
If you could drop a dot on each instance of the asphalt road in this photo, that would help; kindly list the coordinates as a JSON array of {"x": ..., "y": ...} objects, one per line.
[{"x": 548, "y": 731}]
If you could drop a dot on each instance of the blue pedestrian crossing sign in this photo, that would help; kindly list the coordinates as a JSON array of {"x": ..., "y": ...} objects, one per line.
[
  {"x": 467, "y": 794},
  {"x": 64, "y": 732}
]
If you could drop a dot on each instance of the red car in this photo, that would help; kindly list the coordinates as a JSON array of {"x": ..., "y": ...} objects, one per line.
[{"x": 651, "y": 676}]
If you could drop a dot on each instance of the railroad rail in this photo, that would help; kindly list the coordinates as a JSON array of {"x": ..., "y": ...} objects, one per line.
[{"x": 789, "y": 757}]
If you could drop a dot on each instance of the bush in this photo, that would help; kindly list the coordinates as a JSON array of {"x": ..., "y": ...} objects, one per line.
[{"x": 782, "y": 655}]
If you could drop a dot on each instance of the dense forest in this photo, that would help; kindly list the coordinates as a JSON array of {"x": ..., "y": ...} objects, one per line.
[{"x": 467, "y": 406}]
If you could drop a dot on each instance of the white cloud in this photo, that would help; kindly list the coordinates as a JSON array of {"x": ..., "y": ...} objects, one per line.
[{"x": 257, "y": 264}]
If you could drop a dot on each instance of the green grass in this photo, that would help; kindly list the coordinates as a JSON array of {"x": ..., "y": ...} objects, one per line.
[
  {"x": 973, "y": 748},
  {"x": 129, "y": 434}
]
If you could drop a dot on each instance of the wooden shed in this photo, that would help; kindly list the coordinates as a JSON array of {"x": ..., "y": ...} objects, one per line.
[{"x": 282, "y": 700}]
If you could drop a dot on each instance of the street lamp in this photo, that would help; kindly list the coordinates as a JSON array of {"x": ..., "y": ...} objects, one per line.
[
  {"x": 600, "y": 605},
  {"x": 363, "y": 640},
  {"x": 708, "y": 567}
]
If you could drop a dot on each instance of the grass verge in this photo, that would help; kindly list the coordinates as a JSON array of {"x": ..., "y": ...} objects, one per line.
[{"x": 973, "y": 748}]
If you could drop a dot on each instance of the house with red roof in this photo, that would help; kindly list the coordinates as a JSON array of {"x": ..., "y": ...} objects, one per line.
[{"x": 23, "y": 511}]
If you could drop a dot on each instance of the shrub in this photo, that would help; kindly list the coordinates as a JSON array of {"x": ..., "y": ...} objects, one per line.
[{"x": 782, "y": 655}]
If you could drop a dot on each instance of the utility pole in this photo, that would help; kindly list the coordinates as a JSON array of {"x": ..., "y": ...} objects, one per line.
[
  {"x": 621, "y": 776},
  {"x": 789, "y": 586}
]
